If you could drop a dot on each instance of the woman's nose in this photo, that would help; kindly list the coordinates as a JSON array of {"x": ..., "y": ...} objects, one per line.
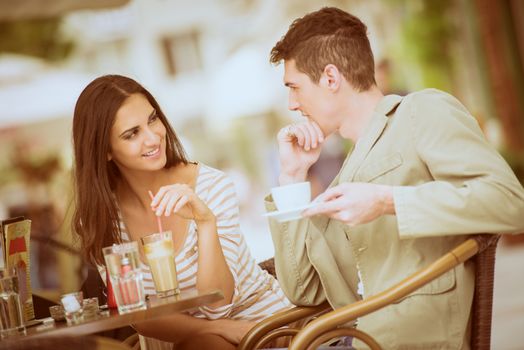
[{"x": 150, "y": 136}]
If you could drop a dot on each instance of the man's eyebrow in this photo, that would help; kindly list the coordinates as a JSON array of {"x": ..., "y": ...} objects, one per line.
[{"x": 153, "y": 112}]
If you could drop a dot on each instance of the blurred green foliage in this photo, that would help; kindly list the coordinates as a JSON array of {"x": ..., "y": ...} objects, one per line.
[
  {"x": 428, "y": 32},
  {"x": 35, "y": 37}
]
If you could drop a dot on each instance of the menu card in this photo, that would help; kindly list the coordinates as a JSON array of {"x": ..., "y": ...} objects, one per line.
[{"x": 14, "y": 241}]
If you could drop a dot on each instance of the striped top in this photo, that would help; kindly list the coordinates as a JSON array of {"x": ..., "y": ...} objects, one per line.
[{"x": 257, "y": 294}]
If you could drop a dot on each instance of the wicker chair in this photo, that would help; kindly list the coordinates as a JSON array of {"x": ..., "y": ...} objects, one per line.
[{"x": 481, "y": 248}]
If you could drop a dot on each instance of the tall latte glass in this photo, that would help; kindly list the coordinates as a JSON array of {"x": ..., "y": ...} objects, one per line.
[{"x": 160, "y": 255}]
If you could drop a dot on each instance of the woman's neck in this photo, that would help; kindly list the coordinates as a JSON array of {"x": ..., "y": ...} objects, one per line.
[{"x": 133, "y": 188}]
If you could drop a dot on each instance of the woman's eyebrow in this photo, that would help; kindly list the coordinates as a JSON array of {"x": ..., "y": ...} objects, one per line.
[
  {"x": 136, "y": 127},
  {"x": 128, "y": 130}
]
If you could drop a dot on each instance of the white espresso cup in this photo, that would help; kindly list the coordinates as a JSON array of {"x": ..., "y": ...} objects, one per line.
[{"x": 292, "y": 196}]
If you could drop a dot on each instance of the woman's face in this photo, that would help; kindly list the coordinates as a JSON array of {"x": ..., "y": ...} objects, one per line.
[{"x": 138, "y": 137}]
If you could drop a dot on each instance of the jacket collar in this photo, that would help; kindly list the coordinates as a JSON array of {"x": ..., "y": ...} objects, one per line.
[{"x": 378, "y": 122}]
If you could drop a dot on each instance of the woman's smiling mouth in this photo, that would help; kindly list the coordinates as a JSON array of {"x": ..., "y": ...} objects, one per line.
[{"x": 152, "y": 153}]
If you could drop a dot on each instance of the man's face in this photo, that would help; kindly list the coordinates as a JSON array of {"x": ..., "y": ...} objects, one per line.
[{"x": 313, "y": 101}]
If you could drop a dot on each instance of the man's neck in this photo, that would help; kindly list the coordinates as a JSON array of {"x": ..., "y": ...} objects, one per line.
[{"x": 359, "y": 111}]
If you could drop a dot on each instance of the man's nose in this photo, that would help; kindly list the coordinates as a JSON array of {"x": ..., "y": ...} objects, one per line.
[{"x": 292, "y": 103}]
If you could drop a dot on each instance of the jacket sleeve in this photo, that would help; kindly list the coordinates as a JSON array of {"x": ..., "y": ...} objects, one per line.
[
  {"x": 296, "y": 275},
  {"x": 474, "y": 189}
]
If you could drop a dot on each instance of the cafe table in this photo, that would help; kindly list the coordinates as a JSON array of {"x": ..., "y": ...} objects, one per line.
[{"x": 111, "y": 319}]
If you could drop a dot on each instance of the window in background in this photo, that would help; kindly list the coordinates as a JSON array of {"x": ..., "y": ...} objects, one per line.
[{"x": 182, "y": 52}]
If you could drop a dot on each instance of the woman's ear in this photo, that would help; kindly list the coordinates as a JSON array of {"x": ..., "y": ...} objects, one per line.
[
  {"x": 109, "y": 157},
  {"x": 331, "y": 77}
]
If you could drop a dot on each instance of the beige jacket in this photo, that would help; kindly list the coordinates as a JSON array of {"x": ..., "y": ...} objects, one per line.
[{"x": 451, "y": 183}]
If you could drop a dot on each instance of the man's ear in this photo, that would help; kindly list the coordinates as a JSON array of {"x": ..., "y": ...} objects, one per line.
[
  {"x": 109, "y": 156},
  {"x": 331, "y": 77}
]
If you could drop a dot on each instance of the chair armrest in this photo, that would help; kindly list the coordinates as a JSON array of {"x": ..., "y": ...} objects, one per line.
[
  {"x": 348, "y": 313},
  {"x": 252, "y": 339}
]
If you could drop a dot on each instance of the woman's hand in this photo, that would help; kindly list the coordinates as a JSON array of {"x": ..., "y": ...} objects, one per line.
[
  {"x": 180, "y": 199},
  {"x": 299, "y": 147}
]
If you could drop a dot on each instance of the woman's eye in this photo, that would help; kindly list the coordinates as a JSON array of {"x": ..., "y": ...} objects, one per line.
[
  {"x": 153, "y": 118},
  {"x": 131, "y": 134}
]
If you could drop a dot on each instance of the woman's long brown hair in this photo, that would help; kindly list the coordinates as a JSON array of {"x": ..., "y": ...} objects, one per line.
[{"x": 96, "y": 219}]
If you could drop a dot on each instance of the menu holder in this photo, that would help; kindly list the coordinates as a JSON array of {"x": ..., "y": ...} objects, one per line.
[{"x": 15, "y": 240}]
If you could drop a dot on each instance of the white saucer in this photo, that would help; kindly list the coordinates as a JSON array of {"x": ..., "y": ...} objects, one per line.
[{"x": 288, "y": 215}]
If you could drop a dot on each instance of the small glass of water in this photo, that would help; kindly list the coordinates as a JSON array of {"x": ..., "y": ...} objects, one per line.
[{"x": 11, "y": 316}]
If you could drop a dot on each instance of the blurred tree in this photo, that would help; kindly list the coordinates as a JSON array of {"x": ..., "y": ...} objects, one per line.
[
  {"x": 431, "y": 43},
  {"x": 499, "y": 29},
  {"x": 428, "y": 32},
  {"x": 35, "y": 37}
]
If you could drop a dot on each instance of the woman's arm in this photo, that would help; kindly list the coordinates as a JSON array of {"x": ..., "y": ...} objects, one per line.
[
  {"x": 222, "y": 201},
  {"x": 178, "y": 328},
  {"x": 213, "y": 271}
]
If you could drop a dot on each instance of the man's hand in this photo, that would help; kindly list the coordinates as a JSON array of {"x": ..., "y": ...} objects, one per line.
[
  {"x": 299, "y": 147},
  {"x": 354, "y": 203}
]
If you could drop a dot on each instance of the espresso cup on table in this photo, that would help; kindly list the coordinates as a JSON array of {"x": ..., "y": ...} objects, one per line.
[
  {"x": 160, "y": 255},
  {"x": 292, "y": 196}
]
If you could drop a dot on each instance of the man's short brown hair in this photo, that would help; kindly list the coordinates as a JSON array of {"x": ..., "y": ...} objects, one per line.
[{"x": 329, "y": 36}]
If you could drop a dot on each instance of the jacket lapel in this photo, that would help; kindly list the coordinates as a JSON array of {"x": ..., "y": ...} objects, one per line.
[{"x": 373, "y": 132}]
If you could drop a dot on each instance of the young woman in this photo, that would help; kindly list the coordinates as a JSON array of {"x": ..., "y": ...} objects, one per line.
[{"x": 125, "y": 147}]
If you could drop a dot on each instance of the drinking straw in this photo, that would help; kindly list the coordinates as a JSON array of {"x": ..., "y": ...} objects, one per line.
[{"x": 158, "y": 221}]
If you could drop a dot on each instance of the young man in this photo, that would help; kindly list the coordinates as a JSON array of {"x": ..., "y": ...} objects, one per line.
[{"x": 420, "y": 178}]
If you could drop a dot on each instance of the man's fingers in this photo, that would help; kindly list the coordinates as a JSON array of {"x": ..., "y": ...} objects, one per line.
[
  {"x": 343, "y": 216},
  {"x": 304, "y": 139},
  {"x": 287, "y": 133},
  {"x": 328, "y": 195},
  {"x": 320, "y": 134},
  {"x": 315, "y": 134},
  {"x": 311, "y": 139},
  {"x": 307, "y": 134},
  {"x": 324, "y": 208}
]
